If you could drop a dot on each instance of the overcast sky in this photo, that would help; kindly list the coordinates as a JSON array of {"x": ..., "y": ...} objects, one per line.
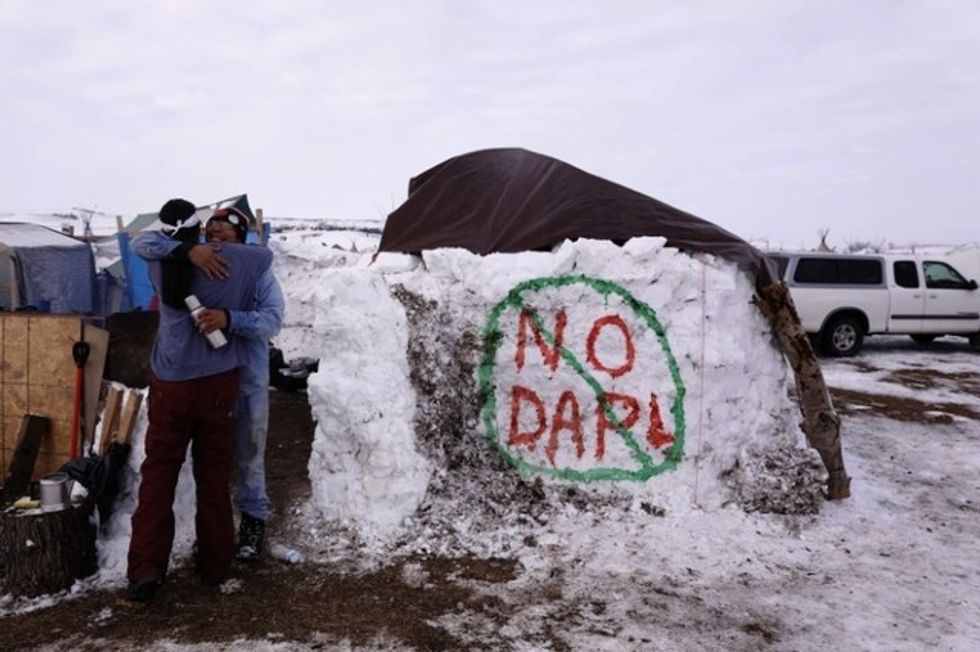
[{"x": 773, "y": 119}]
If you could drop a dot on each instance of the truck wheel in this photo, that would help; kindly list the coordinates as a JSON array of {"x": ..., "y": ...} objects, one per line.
[
  {"x": 923, "y": 338},
  {"x": 842, "y": 336}
]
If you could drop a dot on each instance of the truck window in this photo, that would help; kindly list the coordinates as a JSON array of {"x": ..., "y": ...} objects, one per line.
[
  {"x": 906, "y": 275},
  {"x": 942, "y": 276},
  {"x": 838, "y": 271}
]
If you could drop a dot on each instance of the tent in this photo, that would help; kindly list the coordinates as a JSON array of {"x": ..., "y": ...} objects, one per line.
[
  {"x": 45, "y": 270},
  {"x": 509, "y": 200}
]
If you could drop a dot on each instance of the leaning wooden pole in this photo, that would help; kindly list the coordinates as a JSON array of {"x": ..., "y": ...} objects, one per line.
[{"x": 820, "y": 421}]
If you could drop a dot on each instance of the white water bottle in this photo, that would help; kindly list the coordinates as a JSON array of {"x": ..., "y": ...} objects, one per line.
[
  {"x": 282, "y": 553},
  {"x": 216, "y": 338}
]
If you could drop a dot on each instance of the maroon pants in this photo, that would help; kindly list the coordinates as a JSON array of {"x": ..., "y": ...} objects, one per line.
[{"x": 198, "y": 412}]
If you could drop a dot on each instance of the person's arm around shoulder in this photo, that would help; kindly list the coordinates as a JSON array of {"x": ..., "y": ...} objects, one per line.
[{"x": 154, "y": 245}]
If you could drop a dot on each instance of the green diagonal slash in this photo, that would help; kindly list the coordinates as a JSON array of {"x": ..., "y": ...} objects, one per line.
[{"x": 492, "y": 339}]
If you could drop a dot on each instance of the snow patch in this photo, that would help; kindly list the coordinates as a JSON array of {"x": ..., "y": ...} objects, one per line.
[{"x": 445, "y": 405}]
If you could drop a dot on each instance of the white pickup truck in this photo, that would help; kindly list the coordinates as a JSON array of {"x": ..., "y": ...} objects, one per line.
[{"x": 841, "y": 298}]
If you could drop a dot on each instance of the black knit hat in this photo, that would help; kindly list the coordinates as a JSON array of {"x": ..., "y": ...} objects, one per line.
[
  {"x": 180, "y": 220},
  {"x": 176, "y": 210}
]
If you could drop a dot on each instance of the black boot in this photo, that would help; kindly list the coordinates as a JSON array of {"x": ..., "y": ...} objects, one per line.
[
  {"x": 251, "y": 538},
  {"x": 143, "y": 590}
]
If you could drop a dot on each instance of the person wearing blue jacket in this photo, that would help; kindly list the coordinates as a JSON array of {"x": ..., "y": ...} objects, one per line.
[
  {"x": 257, "y": 327},
  {"x": 254, "y": 327}
]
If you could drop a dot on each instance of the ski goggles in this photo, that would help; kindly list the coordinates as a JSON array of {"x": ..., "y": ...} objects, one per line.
[{"x": 231, "y": 215}]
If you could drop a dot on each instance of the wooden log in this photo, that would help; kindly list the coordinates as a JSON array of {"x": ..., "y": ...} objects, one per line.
[
  {"x": 820, "y": 421},
  {"x": 110, "y": 418},
  {"x": 47, "y": 551},
  {"x": 33, "y": 428}
]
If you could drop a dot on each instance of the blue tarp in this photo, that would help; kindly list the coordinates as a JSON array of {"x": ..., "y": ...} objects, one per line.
[
  {"x": 139, "y": 290},
  {"x": 58, "y": 279}
]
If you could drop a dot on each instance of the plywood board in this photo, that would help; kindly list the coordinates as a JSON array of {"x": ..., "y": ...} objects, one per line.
[
  {"x": 15, "y": 400},
  {"x": 51, "y": 339},
  {"x": 15, "y": 331},
  {"x": 37, "y": 376},
  {"x": 98, "y": 341}
]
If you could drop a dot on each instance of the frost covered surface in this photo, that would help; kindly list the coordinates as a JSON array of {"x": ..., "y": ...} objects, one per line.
[
  {"x": 364, "y": 466},
  {"x": 413, "y": 350}
]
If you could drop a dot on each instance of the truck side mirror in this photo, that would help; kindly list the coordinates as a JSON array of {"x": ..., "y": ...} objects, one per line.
[{"x": 972, "y": 284}]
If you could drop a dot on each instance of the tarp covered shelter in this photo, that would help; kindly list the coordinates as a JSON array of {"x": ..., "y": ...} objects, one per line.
[
  {"x": 46, "y": 270},
  {"x": 510, "y": 200}
]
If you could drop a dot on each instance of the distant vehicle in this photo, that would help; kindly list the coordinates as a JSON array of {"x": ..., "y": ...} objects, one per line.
[{"x": 842, "y": 298}]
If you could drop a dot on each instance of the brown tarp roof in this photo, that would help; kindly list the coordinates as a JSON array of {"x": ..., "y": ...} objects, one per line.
[{"x": 509, "y": 200}]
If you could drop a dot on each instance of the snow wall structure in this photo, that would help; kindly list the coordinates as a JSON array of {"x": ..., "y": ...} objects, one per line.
[{"x": 458, "y": 387}]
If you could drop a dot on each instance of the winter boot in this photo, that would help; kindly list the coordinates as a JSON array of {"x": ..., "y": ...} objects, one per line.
[
  {"x": 251, "y": 538},
  {"x": 143, "y": 590}
]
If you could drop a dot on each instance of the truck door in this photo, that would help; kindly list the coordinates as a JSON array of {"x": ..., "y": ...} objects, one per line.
[
  {"x": 952, "y": 302},
  {"x": 908, "y": 301}
]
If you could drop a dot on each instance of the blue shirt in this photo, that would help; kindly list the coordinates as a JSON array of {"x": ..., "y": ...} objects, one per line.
[
  {"x": 257, "y": 326},
  {"x": 180, "y": 352}
]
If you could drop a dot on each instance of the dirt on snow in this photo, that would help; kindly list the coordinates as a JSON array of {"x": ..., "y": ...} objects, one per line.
[{"x": 318, "y": 604}]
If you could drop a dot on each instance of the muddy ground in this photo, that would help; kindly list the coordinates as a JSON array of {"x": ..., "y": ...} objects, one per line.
[
  {"x": 309, "y": 603},
  {"x": 315, "y": 606}
]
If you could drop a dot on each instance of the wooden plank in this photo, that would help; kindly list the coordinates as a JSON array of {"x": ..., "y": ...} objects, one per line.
[
  {"x": 130, "y": 411},
  {"x": 110, "y": 419},
  {"x": 32, "y": 429},
  {"x": 98, "y": 341}
]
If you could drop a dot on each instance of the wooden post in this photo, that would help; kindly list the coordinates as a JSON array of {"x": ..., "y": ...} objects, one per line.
[
  {"x": 110, "y": 418},
  {"x": 128, "y": 419},
  {"x": 259, "y": 226},
  {"x": 820, "y": 421},
  {"x": 119, "y": 224},
  {"x": 32, "y": 429}
]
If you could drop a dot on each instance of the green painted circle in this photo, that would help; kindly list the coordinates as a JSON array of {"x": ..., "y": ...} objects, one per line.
[{"x": 492, "y": 339}]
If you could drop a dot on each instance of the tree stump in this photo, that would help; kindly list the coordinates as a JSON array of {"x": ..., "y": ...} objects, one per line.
[{"x": 47, "y": 551}]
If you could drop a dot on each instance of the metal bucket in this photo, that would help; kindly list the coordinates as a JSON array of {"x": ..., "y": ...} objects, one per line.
[{"x": 54, "y": 492}]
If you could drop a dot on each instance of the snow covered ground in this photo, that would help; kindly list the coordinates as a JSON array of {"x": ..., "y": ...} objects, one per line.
[{"x": 895, "y": 567}]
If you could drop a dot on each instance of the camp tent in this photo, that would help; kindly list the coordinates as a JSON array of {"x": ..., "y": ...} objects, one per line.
[
  {"x": 46, "y": 270},
  {"x": 509, "y": 200}
]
